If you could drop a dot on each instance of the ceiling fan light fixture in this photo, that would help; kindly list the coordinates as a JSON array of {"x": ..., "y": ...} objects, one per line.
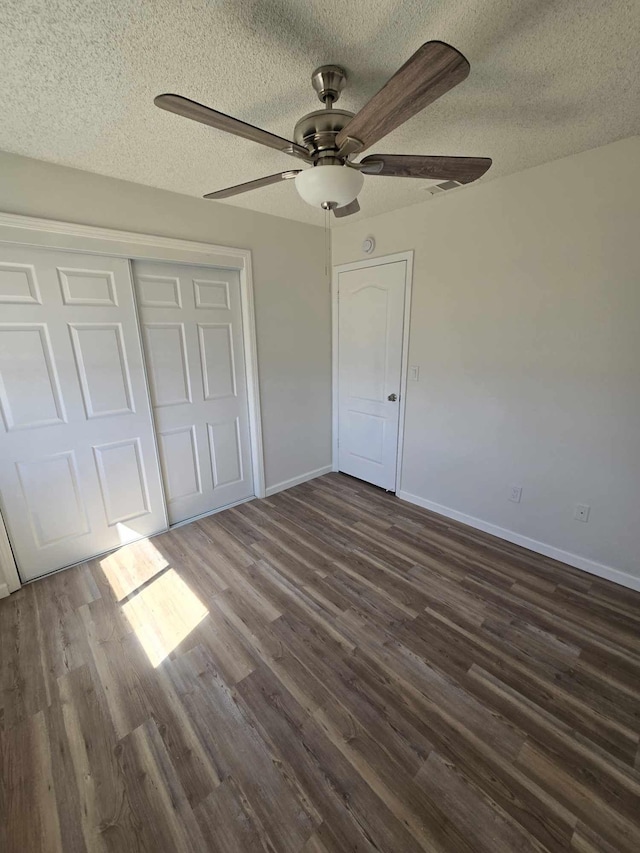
[{"x": 334, "y": 186}]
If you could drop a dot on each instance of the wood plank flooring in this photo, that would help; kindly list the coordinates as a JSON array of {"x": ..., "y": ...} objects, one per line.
[{"x": 330, "y": 669}]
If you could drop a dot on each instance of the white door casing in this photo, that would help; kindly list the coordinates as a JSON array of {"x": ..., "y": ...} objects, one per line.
[
  {"x": 371, "y": 313},
  {"x": 78, "y": 468},
  {"x": 193, "y": 337}
]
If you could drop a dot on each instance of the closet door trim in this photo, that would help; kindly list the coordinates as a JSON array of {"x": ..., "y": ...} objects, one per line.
[{"x": 87, "y": 239}]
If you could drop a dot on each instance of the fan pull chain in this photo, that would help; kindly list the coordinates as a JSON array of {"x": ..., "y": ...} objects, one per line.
[{"x": 327, "y": 243}]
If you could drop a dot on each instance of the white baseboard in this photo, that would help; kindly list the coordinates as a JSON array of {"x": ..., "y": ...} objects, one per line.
[
  {"x": 4, "y": 590},
  {"x": 599, "y": 569},
  {"x": 295, "y": 481}
]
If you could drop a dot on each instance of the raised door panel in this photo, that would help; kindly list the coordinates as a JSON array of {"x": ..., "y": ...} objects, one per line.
[
  {"x": 101, "y": 362},
  {"x": 226, "y": 453},
  {"x": 19, "y": 284},
  {"x": 122, "y": 480},
  {"x": 217, "y": 359},
  {"x": 158, "y": 291},
  {"x": 367, "y": 320},
  {"x": 30, "y": 393},
  {"x": 89, "y": 287},
  {"x": 180, "y": 464},
  {"x": 365, "y": 436},
  {"x": 53, "y": 498},
  {"x": 211, "y": 294},
  {"x": 168, "y": 363}
]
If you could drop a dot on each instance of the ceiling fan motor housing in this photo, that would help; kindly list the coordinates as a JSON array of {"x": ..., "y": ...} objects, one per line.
[{"x": 317, "y": 131}]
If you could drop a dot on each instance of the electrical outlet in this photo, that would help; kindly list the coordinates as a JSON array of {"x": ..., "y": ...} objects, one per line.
[
  {"x": 581, "y": 512},
  {"x": 414, "y": 373},
  {"x": 515, "y": 494}
]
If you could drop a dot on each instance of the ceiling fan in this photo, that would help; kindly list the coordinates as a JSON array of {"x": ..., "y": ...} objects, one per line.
[{"x": 330, "y": 138}]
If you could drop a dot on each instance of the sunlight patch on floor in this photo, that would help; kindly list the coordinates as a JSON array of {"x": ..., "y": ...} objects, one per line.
[
  {"x": 131, "y": 566},
  {"x": 163, "y": 614}
]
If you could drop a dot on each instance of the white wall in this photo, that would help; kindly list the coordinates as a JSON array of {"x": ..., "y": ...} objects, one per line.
[
  {"x": 526, "y": 327},
  {"x": 292, "y": 291}
]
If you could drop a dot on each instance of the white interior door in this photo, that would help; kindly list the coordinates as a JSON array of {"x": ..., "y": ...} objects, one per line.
[
  {"x": 78, "y": 467},
  {"x": 193, "y": 337},
  {"x": 371, "y": 316}
]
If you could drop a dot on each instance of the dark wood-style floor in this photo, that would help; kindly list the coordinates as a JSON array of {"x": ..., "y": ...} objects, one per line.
[{"x": 330, "y": 669}]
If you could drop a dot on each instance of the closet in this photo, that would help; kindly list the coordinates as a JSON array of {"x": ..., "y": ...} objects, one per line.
[{"x": 97, "y": 449}]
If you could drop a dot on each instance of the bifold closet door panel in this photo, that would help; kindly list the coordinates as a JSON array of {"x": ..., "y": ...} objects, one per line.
[
  {"x": 79, "y": 472},
  {"x": 193, "y": 337}
]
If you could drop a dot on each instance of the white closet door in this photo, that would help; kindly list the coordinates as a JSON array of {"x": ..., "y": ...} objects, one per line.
[
  {"x": 192, "y": 330},
  {"x": 78, "y": 465}
]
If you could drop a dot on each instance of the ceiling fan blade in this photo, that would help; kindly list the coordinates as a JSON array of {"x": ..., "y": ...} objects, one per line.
[
  {"x": 461, "y": 169},
  {"x": 347, "y": 210},
  {"x": 253, "y": 185},
  {"x": 205, "y": 115},
  {"x": 433, "y": 70}
]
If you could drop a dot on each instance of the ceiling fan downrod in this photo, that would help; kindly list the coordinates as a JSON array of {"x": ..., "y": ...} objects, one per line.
[{"x": 317, "y": 131}]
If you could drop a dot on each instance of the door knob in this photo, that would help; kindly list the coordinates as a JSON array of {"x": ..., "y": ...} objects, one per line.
[{"x": 392, "y": 397}]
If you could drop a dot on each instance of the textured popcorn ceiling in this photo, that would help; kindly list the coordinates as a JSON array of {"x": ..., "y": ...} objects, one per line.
[{"x": 547, "y": 79}]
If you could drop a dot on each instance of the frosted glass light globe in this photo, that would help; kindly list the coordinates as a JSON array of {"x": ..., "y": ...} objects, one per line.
[{"x": 337, "y": 184}]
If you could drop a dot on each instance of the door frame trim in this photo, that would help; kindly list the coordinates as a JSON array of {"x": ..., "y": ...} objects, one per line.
[
  {"x": 89, "y": 239},
  {"x": 379, "y": 261}
]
